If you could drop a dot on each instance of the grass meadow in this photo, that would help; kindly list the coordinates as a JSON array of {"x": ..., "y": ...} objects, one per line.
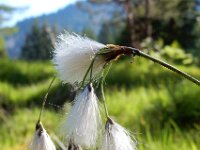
[{"x": 160, "y": 108}]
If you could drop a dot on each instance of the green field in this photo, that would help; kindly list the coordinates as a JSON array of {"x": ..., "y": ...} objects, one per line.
[{"x": 160, "y": 108}]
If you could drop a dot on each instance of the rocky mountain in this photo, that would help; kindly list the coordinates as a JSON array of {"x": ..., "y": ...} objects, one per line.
[{"x": 74, "y": 17}]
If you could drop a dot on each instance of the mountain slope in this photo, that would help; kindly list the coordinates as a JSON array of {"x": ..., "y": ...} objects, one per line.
[{"x": 75, "y": 17}]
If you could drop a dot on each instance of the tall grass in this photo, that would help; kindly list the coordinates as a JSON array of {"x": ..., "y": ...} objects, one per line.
[
  {"x": 19, "y": 72},
  {"x": 17, "y": 129},
  {"x": 160, "y": 108}
]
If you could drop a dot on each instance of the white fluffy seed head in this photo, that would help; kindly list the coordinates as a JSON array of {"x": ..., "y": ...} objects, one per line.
[
  {"x": 41, "y": 140},
  {"x": 82, "y": 126},
  {"x": 73, "y": 55},
  {"x": 117, "y": 138}
]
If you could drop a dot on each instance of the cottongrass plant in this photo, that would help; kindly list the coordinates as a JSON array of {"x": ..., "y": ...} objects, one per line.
[
  {"x": 82, "y": 60},
  {"x": 73, "y": 55},
  {"x": 41, "y": 139},
  {"x": 117, "y": 138},
  {"x": 82, "y": 126}
]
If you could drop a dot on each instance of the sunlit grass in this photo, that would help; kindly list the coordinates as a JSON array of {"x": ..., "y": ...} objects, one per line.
[
  {"x": 22, "y": 94},
  {"x": 20, "y": 72},
  {"x": 154, "y": 128},
  {"x": 141, "y": 72},
  {"x": 160, "y": 108},
  {"x": 18, "y": 128}
]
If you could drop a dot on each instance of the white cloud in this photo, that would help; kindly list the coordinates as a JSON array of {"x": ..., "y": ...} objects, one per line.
[{"x": 34, "y": 7}]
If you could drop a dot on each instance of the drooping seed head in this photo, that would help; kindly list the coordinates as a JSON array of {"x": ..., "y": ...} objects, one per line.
[
  {"x": 117, "y": 138},
  {"x": 83, "y": 123},
  {"x": 41, "y": 139}
]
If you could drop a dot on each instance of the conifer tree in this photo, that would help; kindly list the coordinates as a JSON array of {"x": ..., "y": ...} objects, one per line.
[
  {"x": 38, "y": 43},
  {"x": 3, "y": 53},
  {"x": 89, "y": 33},
  {"x": 5, "y": 12},
  {"x": 105, "y": 34},
  {"x": 46, "y": 42}
]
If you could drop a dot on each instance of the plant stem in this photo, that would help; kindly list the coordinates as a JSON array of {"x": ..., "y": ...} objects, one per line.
[
  {"x": 104, "y": 74},
  {"x": 91, "y": 69},
  {"x": 104, "y": 100},
  {"x": 168, "y": 66},
  {"x": 85, "y": 76},
  {"x": 45, "y": 98}
]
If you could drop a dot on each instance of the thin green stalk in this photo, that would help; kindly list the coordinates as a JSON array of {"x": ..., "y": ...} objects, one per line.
[
  {"x": 91, "y": 69},
  {"x": 85, "y": 76},
  {"x": 45, "y": 99},
  {"x": 168, "y": 66},
  {"x": 102, "y": 90},
  {"x": 104, "y": 100}
]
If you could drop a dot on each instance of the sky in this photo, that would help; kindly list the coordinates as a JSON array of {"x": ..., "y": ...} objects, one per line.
[{"x": 32, "y": 8}]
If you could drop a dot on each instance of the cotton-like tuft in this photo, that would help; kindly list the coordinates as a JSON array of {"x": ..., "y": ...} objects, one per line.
[
  {"x": 41, "y": 140},
  {"x": 117, "y": 138},
  {"x": 73, "y": 55},
  {"x": 82, "y": 126}
]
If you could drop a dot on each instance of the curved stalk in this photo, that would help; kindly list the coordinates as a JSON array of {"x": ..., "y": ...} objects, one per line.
[
  {"x": 104, "y": 74},
  {"x": 162, "y": 63},
  {"x": 89, "y": 69},
  {"x": 104, "y": 100},
  {"x": 45, "y": 98}
]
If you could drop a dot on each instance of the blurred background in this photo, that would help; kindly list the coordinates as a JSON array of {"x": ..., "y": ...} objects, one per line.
[{"x": 160, "y": 108}]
